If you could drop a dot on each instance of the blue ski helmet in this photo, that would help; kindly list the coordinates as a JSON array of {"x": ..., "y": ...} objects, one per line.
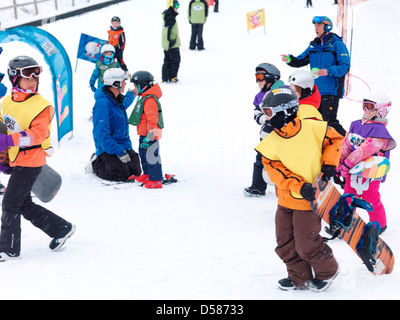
[{"x": 325, "y": 20}]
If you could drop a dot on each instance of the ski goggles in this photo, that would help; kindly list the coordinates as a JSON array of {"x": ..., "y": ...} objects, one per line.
[
  {"x": 260, "y": 76},
  {"x": 319, "y": 19},
  {"x": 373, "y": 106},
  {"x": 270, "y": 112},
  {"x": 27, "y": 72},
  {"x": 176, "y": 5}
]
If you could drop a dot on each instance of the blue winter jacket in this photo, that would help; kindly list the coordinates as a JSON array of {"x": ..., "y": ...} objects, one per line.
[
  {"x": 3, "y": 90},
  {"x": 333, "y": 56},
  {"x": 110, "y": 122}
]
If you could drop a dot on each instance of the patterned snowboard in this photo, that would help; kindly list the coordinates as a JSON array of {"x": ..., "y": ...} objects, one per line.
[{"x": 326, "y": 197}]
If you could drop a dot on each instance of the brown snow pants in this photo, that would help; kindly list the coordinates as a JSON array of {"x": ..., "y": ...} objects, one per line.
[{"x": 301, "y": 247}]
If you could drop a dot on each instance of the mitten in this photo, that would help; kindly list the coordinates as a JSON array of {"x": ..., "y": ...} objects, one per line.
[
  {"x": 308, "y": 191},
  {"x": 329, "y": 172},
  {"x": 345, "y": 167},
  {"x": 6, "y": 141},
  {"x": 125, "y": 158}
]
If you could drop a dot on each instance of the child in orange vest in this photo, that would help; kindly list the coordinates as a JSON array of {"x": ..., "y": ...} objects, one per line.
[{"x": 116, "y": 37}]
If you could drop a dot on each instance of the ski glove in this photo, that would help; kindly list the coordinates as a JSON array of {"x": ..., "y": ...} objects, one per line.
[
  {"x": 146, "y": 141},
  {"x": 125, "y": 158},
  {"x": 345, "y": 167},
  {"x": 145, "y": 144},
  {"x": 6, "y": 141},
  {"x": 308, "y": 191},
  {"x": 93, "y": 88},
  {"x": 329, "y": 172},
  {"x": 5, "y": 169}
]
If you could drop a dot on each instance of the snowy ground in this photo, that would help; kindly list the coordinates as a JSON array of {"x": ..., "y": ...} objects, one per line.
[{"x": 200, "y": 238}]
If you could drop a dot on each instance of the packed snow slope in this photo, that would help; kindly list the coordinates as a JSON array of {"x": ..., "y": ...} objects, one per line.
[{"x": 200, "y": 238}]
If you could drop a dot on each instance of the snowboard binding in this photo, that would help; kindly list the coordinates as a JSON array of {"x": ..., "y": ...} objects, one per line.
[
  {"x": 366, "y": 247},
  {"x": 341, "y": 214}
]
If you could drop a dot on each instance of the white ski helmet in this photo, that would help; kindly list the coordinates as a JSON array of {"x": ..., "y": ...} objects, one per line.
[
  {"x": 382, "y": 101},
  {"x": 107, "y": 48},
  {"x": 114, "y": 77},
  {"x": 302, "y": 78}
]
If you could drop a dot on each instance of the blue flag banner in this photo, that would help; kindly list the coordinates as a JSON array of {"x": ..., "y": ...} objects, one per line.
[
  {"x": 89, "y": 48},
  {"x": 60, "y": 67}
]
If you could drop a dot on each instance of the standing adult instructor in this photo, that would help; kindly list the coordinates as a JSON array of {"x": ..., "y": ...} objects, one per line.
[
  {"x": 197, "y": 15},
  {"x": 329, "y": 62}
]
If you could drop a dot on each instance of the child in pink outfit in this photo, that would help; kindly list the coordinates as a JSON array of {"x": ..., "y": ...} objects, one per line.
[{"x": 367, "y": 137}]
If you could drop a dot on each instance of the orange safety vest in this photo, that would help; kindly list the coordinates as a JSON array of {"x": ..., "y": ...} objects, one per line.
[{"x": 113, "y": 36}]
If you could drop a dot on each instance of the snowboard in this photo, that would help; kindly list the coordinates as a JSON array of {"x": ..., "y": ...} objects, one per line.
[
  {"x": 373, "y": 167},
  {"x": 326, "y": 197},
  {"x": 47, "y": 184}
]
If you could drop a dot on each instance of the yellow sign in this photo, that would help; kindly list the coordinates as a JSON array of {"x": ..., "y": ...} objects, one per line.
[{"x": 255, "y": 19}]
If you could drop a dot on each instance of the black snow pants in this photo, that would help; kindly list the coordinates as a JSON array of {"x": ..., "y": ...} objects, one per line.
[
  {"x": 172, "y": 60},
  {"x": 197, "y": 37},
  {"x": 109, "y": 167},
  {"x": 17, "y": 202}
]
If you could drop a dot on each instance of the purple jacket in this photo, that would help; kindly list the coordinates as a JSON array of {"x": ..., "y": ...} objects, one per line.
[{"x": 358, "y": 132}]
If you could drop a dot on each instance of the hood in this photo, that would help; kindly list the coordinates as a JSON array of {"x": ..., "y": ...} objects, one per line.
[
  {"x": 154, "y": 90},
  {"x": 314, "y": 99}
]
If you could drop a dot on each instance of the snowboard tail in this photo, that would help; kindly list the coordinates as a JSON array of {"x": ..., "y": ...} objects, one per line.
[{"x": 326, "y": 197}]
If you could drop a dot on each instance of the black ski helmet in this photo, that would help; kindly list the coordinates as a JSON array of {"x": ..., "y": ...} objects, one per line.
[
  {"x": 143, "y": 79},
  {"x": 284, "y": 103},
  {"x": 115, "y": 18},
  {"x": 16, "y": 64}
]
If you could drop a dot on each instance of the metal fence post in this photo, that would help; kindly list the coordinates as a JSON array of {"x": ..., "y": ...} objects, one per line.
[{"x": 15, "y": 9}]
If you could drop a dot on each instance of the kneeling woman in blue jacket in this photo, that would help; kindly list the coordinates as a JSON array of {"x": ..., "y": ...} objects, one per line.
[{"x": 115, "y": 160}]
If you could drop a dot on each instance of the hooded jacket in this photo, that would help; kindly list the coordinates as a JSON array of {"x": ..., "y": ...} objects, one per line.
[
  {"x": 149, "y": 118},
  {"x": 308, "y": 107},
  {"x": 110, "y": 122},
  {"x": 170, "y": 32}
]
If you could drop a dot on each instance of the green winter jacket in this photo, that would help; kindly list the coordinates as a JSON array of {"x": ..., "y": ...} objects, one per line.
[
  {"x": 198, "y": 11},
  {"x": 170, "y": 32}
]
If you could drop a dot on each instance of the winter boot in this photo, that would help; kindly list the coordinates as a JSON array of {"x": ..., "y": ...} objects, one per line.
[
  {"x": 153, "y": 184},
  {"x": 142, "y": 178},
  {"x": 321, "y": 285},
  {"x": 4, "y": 256},
  {"x": 286, "y": 284},
  {"x": 89, "y": 166},
  {"x": 57, "y": 243},
  {"x": 2, "y": 188},
  {"x": 253, "y": 192}
]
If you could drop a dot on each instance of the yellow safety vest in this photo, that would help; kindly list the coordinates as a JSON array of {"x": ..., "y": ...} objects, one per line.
[
  {"x": 300, "y": 153},
  {"x": 307, "y": 111},
  {"x": 18, "y": 116}
]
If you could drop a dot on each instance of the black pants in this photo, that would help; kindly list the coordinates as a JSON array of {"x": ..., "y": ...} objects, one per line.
[
  {"x": 172, "y": 60},
  {"x": 309, "y": 3},
  {"x": 119, "y": 54},
  {"x": 258, "y": 180},
  {"x": 110, "y": 167},
  {"x": 329, "y": 109},
  {"x": 197, "y": 36},
  {"x": 216, "y": 6},
  {"x": 17, "y": 202}
]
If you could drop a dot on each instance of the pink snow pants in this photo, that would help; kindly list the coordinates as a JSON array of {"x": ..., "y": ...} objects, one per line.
[{"x": 373, "y": 196}]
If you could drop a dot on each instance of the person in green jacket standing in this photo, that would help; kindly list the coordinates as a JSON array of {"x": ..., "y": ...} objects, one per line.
[
  {"x": 171, "y": 43},
  {"x": 198, "y": 13}
]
